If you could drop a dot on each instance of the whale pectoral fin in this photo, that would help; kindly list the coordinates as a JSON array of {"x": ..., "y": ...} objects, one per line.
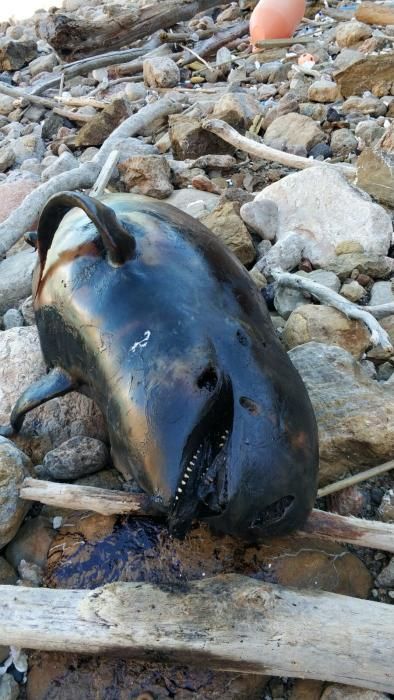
[{"x": 56, "y": 383}]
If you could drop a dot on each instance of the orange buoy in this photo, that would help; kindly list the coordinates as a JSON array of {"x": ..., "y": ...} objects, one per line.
[{"x": 275, "y": 19}]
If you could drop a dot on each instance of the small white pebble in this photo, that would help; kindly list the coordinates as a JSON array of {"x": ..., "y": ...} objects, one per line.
[{"x": 57, "y": 522}]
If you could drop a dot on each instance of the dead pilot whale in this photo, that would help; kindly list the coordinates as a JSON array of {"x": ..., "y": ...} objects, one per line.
[{"x": 140, "y": 307}]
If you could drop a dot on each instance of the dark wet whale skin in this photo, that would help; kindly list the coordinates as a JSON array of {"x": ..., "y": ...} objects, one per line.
[{"x": 175, "y": 344}]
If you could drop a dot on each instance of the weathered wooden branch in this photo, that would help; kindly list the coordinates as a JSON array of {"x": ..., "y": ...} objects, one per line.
[
  {"x": 382, "y": 310},
  {"x": 339, "y": 528},
  {"x": 19, "y": 94},
  {"x": 229, "y": 623},
  {"x": 73, "y": 39},
  {"x": 24, "y": 216},
  {"x": 329, "y": 526},
  {"x": 379, "y": 337},
  {"x": 260, "y": 150},
  {"x": 356, "y": 479}
]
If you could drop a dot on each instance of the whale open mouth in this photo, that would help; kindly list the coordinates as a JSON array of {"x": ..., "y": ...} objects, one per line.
[{"x": 202, "y": 489}]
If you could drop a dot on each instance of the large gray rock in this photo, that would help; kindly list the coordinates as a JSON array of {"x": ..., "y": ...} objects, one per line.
[
  {"x": 320, "y": 205},
  {"x": 294, "y": 133},
  {"x": 14, "y": 467},
  {"x": 75, "y": 458},
  {"x": 15, "y": 279},
  {"x": 355, "y": 413},
  {"x": 21, "y": 363}
]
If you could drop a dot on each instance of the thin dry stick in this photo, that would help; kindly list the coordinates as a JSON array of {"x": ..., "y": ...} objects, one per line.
[
  {"x": 273, "y": 43},
  {"x": 202, "y": 60},
  {"x": 355, "y": 479},
  {"x": 379, "y": 337},
  {"x": 260, "y": 150},
  {"x": 24, "y": 216},
  {"x": 105, "y": 175},
  {"x": 330, "y": 526}
]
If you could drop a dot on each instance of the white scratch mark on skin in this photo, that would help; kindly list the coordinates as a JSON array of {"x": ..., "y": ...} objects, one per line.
[{"x": 141, "y": 343}]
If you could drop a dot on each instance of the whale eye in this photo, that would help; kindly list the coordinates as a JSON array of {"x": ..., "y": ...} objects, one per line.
[
  {"x": 251, "y": 406},
  {"x": 208, "y": 379}
]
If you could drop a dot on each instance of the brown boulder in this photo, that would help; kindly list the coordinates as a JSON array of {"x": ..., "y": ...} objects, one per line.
[{"x": 324, "y": 324}]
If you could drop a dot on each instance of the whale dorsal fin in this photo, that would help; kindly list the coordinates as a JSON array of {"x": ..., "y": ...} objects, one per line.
[{"x": 118, "y": 242}]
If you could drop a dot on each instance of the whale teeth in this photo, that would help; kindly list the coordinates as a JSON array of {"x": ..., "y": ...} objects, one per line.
[
  {"x": 179, "y": 489},
  {"x": 189, "y": 469},
  {"x": 183, "y": 482},
  {"x": 186, "y": 476},
  {"x": 177, "y": 498}
]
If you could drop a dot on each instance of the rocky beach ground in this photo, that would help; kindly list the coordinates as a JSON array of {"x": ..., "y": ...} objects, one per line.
[{"x": 319, "y": 204}]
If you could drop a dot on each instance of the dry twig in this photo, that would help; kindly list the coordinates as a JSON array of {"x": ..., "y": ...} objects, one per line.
[
  {"x": 356, "y": 479},
  {"x": 260, "y": 150},
  {"x": 105, "y": 174}
]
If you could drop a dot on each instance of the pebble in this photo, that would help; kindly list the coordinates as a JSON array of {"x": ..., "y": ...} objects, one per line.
[
  {"x": 343, "y": 143},
  {"x": 382, "y": 293},
  {"x": 353, "y": 291},
  {"x": 160, "y": 71},
  {"x": 31, "y": 543},
  {"x": 149, "y": 175},
  {"x": 262, "y": 217},
  {"x": 326, "y": 278},
  {"x": 287, "y": 300},
  {"x": 225, "y": 222},
  {"x": 323, "y": 91},
  {"x": 12, "y": 319}
]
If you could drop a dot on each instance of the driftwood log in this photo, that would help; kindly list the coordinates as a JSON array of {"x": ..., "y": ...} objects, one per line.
[
  {"x": 73, "y": 39},
  {"x": 327, "y": 526},
  {"x": 231, "y": 623}
]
